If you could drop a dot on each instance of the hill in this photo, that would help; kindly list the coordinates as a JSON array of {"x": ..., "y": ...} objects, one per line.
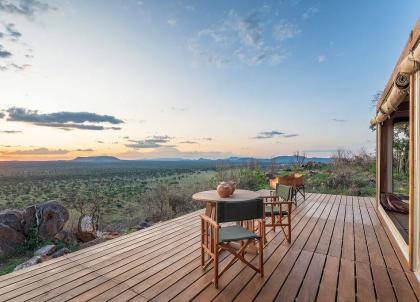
[{"x": 97, "y": 159}]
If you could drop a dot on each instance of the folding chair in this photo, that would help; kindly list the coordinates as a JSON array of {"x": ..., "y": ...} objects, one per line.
[
  {"x": 216, "y": 238},
  {"x": 274, "y": 209}
]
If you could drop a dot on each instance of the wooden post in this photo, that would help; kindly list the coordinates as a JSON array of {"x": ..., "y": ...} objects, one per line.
[{"x": 411, "y": 173}]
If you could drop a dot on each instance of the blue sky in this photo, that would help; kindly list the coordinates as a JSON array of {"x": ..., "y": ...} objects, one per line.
[{"x": 193, "y": 78}]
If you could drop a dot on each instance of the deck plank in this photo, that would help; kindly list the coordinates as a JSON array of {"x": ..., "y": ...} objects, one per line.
[{"x": 340, "y": 251}]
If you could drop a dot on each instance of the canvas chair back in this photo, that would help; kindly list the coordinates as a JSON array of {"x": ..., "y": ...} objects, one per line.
[
  {"x": 284, "y": 192},
  {"x": 229, "y": 211}
]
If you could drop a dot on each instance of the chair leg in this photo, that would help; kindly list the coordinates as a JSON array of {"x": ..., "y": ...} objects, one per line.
[
  {"x": 216, "y": 269},
  {"x": 261, "y": 246}
]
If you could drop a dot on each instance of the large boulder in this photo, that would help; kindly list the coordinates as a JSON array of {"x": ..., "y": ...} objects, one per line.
[
  {"x": 51, "y": 217},
  {"x": 87, "y": 228},
  {"x": 12, "y": 218},
  {"x": 10, "y": 239}
]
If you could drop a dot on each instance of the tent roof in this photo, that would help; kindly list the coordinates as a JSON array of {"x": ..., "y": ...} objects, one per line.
[{"x": 413, "y": 40}]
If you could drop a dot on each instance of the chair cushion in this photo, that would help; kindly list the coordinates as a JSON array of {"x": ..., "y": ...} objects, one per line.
[
  {"x": 276, "y": 211},
  {"x": 235, "y": 233}
]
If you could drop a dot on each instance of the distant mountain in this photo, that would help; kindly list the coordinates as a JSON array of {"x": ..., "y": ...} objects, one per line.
[{"x": 97, "y": 159}]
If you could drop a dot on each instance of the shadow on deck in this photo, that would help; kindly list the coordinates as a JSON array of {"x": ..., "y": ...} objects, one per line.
[{"x": 339, "y": 251}]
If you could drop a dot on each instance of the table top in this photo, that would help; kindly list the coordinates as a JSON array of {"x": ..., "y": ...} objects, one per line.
[{"x": 239, "y": 195}]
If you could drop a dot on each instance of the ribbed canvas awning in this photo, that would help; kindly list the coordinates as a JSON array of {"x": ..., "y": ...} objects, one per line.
[{"x": 399, "y": 90}]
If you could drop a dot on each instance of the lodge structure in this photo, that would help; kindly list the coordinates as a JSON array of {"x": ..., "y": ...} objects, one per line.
[{"x": 400, "y": 102}]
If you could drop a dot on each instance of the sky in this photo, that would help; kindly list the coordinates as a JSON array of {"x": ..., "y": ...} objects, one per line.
[{"x": 193, "y": 79}]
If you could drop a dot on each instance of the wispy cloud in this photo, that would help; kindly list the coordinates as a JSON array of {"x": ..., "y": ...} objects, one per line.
[
  {"x": 28, "y": 8},
  {"x": 2, "y": 115},
  {"x": 244, "y": 39},
  {"x": 172, "y": 22},
  {"x": 284, "y": 30},
  {"x": 10, "y": 131},
  {"x": 310, "y": 12},
  {"x": 290, "y": 135},
  {"x": 84, "y": 150},
  {"x": 36, "y": 151},
  {"x": 273, "y": 134},
  {"x": 268, "y": 134},
  {"x": 188, "y": 142},
  {"x": 12, "y": 32},
  {"x": 63, "y": 120},
  {"x": 337, "y": 120},
  {"x": 321, "y": 58},
  {"x": 151, "y": 142},
  {"x": 4, "y": 53}
]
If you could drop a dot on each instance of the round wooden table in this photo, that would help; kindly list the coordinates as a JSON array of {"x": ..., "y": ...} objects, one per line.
[{"x": 211, "y": 198}]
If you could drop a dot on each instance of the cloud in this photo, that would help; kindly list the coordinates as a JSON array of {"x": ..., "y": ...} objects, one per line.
[
  {"x": 64, "y": 120},
  {"x": 206, "y": 138},
  {"x": 337, "y": 120},
  {"x": 188, "y": 142},
  {"x": 4, "y": 53},
  {"x": 37, "y": 151},
  {"x": 84, "y": 150},
  {"x": 242, "y": 39},
  {"x": 290, "y": 135},
  {"x": 10, "y": 28},
  {"x": 268, "y": 134},
  {"x": 310, "y": 12},
  {"x": 100, "y": 142},
  {"x": 179, "y": 109},
  {"x": 321, "y": 58},
  {"x": 26, "y": 8},
  {"x": 13, "y": 66},
  {"x": 151, "y": 142},
  {"x": 172, "y": 22},
  {"x": 284, "y": 30},
  {"x": 2, "y": 115},
  {"x": 10, "y": 131}
]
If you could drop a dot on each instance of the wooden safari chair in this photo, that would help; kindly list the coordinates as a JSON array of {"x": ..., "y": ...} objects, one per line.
[
  {"x": 216, "y": 238},
  {"x": 278, "y": 209},
  {"x": 294, "y": 180}
]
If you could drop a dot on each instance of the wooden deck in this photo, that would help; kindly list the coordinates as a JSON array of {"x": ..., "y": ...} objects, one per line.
[{"x": 340, "y": 252}]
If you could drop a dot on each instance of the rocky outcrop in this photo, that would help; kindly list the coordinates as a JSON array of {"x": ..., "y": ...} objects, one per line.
[
  {"x": 87, "y": 228},
  {"x": 47, "y": 219},
  {"x": 60, "y": 252},
  {"x": 51, "y": 217},
  {"x": 10, "y": 239},
  {"x": 34, "y": 260},
  {"x": 45, "y": 250}
]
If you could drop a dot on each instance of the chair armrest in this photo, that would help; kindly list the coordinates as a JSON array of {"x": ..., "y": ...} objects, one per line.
[
  {"x": 209, "y": 221},
  {"x": 278, "y": 202}
]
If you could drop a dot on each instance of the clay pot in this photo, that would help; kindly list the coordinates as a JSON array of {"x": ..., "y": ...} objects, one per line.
[{"x": 224, "y": 189}]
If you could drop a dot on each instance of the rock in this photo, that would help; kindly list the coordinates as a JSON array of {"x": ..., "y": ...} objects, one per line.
[
  {"x": 86, "y": 229},
  {"x": 10, "y": 239},
  {"x": 12, "y": 218},
  {"x": 51, "y": 219},
  {"x": 143, "y": 225},
  {"x": 29, "y": 219},
  {"x": 61, "y": 252},
  {"x": 34, "y": 260},
  {"x": 108, "y": 235},
  {"x": 67, "y": 237},
  {"x": 92, "y": 243},
  {"x": 45, "y": 250}
]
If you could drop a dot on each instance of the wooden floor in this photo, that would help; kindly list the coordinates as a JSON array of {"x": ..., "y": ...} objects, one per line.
[{"x": 340, "y": 252}]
